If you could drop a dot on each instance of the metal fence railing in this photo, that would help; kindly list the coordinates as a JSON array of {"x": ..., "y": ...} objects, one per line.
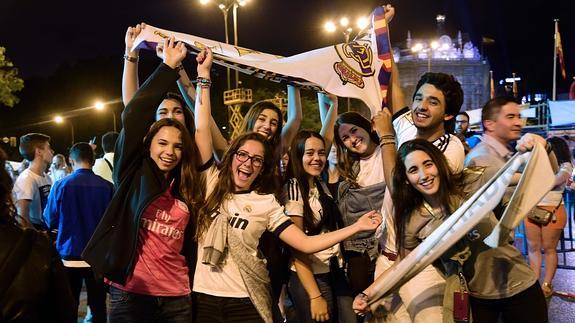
[{"x": 566, "y": 243}]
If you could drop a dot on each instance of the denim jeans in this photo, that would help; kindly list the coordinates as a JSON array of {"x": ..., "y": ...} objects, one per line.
[
  {"x": 215, "y": 309},
  {"x": 334, "y": 289},
  {"x": 131, "y": 307}
]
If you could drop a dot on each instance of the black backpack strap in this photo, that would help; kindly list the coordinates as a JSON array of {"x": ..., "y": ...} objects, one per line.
[
  {"x": 109, "y": 164},
  {"x": 14, "y": 260}
]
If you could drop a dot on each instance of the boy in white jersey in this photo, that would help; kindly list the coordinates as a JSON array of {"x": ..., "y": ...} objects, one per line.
[
  {"x": 437, "y": 99},
  {"x": 32, "y": 187}
]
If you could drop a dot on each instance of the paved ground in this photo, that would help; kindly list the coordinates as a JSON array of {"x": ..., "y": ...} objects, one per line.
[{"x": 562, "y": 310}]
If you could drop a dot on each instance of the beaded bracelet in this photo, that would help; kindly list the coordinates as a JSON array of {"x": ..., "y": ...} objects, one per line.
[
  {"x": 203, "y": 82},
  {"x": 179, "y": 67},
  {"x": 384, "y": 137},
  {"x": 131, "y": 59},
  {"x": 385, "y": 143}
]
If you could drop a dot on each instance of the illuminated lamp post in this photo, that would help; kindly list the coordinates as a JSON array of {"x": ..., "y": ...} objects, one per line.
[
  {"x": 100, "y": 106},
  {"x": 60, "y": 120}
]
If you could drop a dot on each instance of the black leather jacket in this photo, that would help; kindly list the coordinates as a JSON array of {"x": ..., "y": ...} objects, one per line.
[
  {"x": 138, "y": 181},
  {"x": 39, "y": 291}
]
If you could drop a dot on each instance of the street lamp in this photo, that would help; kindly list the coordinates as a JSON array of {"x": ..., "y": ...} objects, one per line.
[
  {"x": 100, "y": 106},
  {"x": 59, "y": 120},
  {"x": 225, "y": 6},
  {"x": 429, "y": 49},
  {"x": 344, "y": 26}
]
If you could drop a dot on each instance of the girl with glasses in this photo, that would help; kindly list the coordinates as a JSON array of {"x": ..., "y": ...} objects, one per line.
[{"x": 231, "y": 281}]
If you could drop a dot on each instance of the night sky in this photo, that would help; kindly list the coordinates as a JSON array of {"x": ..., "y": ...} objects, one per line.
[{"x": 47, "y": 40}]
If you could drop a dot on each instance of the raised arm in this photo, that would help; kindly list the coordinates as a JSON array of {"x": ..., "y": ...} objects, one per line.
[
  {"x": 130, "y": 81},
  {"x": 140, "y": 111},
  {"x": 297, "y": 239},
  {"x": 294, "y": 117},
  {"x": 384, "y": 128},
  {"x": 328, "y": 115},
  {"x": 188, "y": 92},
  {"x": 203, "y": 108},
  {"x": 396, "y": 98},
  {"x": 186, "y": 88}
]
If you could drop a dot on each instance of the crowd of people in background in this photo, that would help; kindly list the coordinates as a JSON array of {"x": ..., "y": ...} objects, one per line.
[{"x": 175, "y": 223}]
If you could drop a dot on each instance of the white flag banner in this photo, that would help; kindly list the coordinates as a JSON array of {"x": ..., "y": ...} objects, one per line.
[
  {"x": 359, "y": 69},
  {"x": 537, "y": 179},
  {"x": 467, "y": 216},
  {"x": 562, "y": 112},
  {"x": 474, "y": 116},
  {"x": 529, "y": 113}
]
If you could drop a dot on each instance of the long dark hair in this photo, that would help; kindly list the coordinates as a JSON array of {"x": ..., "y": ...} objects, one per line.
[
  {"x": 296, "y": 170},
  {"x": 406, "y": 199},
  {"x": 7, "y": 209},
  {"x": 561, "y": 149},
  {"x": 252, "y": 116},
  {"x": 263, "y": 184},
  {"x": 345, "y": 158},
  {"x": 188, "y": 184}
]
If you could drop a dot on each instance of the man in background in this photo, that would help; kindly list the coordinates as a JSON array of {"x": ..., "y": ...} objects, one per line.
[
  {"x": 104, "y": 166},
  {"x": 75, "y": 207}
]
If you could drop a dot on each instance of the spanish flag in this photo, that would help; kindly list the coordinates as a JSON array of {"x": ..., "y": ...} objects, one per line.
[
  {"x": 491, "y": 86},
  {"x": 559, "y": 50}
]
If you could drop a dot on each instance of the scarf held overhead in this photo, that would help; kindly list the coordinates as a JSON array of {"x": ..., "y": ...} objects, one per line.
[{"x": 359, "y": 69}]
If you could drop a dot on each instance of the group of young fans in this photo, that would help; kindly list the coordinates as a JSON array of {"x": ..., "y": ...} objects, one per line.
[{"x": 192, "y": 216}]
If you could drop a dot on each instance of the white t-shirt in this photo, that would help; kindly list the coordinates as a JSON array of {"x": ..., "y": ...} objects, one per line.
[
  {"x": 250, "y": 215},
  {"x": 449, "y": 144},
  {"x": 33, "y": 187},
  {"x": 102, "y": 169},
  {"x": 294, "y": 207},
  {"x": 371, "y": 169}
]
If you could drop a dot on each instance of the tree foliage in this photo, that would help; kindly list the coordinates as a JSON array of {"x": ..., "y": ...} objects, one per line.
[{"x": 10, "y": 82}]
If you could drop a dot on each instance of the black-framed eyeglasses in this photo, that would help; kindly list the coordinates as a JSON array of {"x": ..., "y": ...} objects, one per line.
[{"x": 243, "y": 156}]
